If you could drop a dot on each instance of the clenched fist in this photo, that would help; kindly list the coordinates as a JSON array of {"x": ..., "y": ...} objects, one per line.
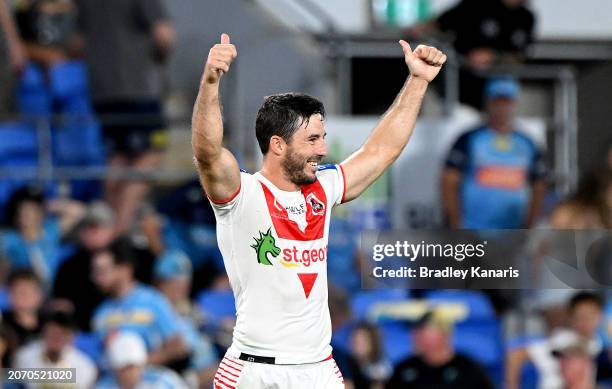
[
  {"x": 425, "y": 62},
  {"x": 220, "y": 57}
]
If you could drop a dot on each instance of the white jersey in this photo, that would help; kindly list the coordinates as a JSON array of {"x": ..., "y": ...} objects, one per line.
[{"x": 274, "y": 246}]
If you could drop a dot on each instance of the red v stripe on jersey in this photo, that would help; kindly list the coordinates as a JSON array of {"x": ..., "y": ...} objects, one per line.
[
  {"x": 307, "y": 280},
  {"x": 287, "y": 228}
]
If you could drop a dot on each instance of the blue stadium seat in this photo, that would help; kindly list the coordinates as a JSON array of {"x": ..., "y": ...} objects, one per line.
[
  {"x": 341, "y": 337},
  {"x": 89, "y": 344},
  {"x": 482, "y": 341},
  {"x": 68, "y": 79},
  {"x": 18, "y": 142},
  {"x": 18, "y": 148},
  {"x": 529, "y": 373},
  {"x": 33, "y": 96},
  {"x": 478, "y": 304},
  {"x": 397, "y": 340},
  {"x": 216, "y": 305},
  {"x": 363, "y": 301}
]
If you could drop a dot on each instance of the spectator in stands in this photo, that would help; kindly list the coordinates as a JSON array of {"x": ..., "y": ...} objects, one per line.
[
  {"x": 486, "y": 33},
  {"x": 48, "y": 30},
  {"x": 590, "y": 207},
  {"x": 127, "y": 43},
  {"x": 133, "y": 306},
  {"x": 127, "y": 357},
  {"x": 585, "y": 312},
  {"x": 436, "y": 364},
  {"x": 494, "y": 175},
  {"x": 577, "y": 366},
  {"x": 55, "y": 350},
  {"x": 95, "y": 231},
  {"x": 26, "y": 298},
  {"x": 37, "y": 228},
  {"x": 173, "y": 275},
  {"x": 369, "y": 368},
  {"x": 11, "y": 63}
]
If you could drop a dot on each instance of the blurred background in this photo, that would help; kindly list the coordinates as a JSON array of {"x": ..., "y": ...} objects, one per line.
[{"x": 95, "y": 106}]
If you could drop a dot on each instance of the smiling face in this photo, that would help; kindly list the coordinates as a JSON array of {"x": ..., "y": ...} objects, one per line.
[{"x": 304, "y": 152}]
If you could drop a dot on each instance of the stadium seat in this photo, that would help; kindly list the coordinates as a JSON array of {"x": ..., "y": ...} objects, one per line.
[
  {"x": 362, "y": 302},
  {"x": 18, "y": 141},
  {"x": 68, "y": 79},
  {"x": 341, "y": 337},
  {"x": 529, "y": 373},
  {"x": 89, "y": 344},
  {"x": 396, "y": 339},
  {"x": 216, "y": 306},
  {"x": 18, "y": 148},
  {"x": 478, "y": 304},
  {"x": 482, "y": 341},
  {"x": 33, "y": 96}
]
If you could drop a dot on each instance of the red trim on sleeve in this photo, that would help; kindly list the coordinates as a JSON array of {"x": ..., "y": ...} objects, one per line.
[
  {"x": 343, "y": 183},
  {"x": 225, "y": 201}
]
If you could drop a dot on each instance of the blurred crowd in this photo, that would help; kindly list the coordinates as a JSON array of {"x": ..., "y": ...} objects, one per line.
[{"x": 128, "y": 285}]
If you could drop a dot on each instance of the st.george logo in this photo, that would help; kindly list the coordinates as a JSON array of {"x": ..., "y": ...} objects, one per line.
[{"x": 264, "y": 245}]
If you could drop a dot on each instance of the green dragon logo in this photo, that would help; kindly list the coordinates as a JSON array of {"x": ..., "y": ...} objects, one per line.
[{"x": 264, "y": 245}]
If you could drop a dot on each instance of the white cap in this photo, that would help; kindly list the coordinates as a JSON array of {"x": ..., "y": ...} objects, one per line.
[
  {"x": 125, "y": 349},
  {"x": 564, "y": 340}
]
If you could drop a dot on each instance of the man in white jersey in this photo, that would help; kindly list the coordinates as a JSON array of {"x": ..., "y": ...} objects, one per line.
[{"x": 272, "y": 226}]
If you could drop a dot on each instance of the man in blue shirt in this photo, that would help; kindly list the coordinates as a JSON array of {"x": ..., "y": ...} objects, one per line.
[
  {"x": 494, "y": 175},
  {"x": 173, "y": 275},
  {"x": 134, "y": 307}
]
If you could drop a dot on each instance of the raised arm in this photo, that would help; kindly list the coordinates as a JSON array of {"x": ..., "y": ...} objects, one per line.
[
  {"x": 17, "y": 54},
  {"x": 217, "y": 167},
  {"x": 389, "y": 138}
]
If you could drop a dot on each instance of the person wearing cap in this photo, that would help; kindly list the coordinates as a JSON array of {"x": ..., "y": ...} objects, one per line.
[
  {"x": 173, "y": 275},
  {"x": 36, "y": 229},
  {"x": 94, "y": 232},
  {"x": 494, "y": 175},
  {"x": 585, "y": 313},
  {"x": 55, "y": 350},
  {"x": 134, "y": 306},
  {"x": 435, "y": 363},
  {"x": 577, "y": 366},
  {"x": 127, "y": 358}
]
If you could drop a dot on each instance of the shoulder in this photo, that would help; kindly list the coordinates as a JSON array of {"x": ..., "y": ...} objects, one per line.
[
  {"x": 106, "y": 382},
  {"x": 467, "y": 136},
  {"x": 329, "y": 173},
  {"x": 144, "y": 293},
  {"x": 103, "y": 308},
  {"x": 328, "y": 169},
  {"x": 523, "y": 137},
  {"x": 408, "y": 363},
  {"x": 526, "y": 14},
  {"x": 80, "y": 358},
  {"x": 466, "y": 361},
  {"x": 162, "y": 378},
  {"x": 27, "y": 355}
]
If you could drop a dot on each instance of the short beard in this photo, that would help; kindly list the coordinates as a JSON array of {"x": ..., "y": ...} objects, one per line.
[{"x": 293, "y": 167}]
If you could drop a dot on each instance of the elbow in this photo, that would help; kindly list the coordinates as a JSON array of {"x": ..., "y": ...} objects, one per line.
[{"x": 388, "y": 153}]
